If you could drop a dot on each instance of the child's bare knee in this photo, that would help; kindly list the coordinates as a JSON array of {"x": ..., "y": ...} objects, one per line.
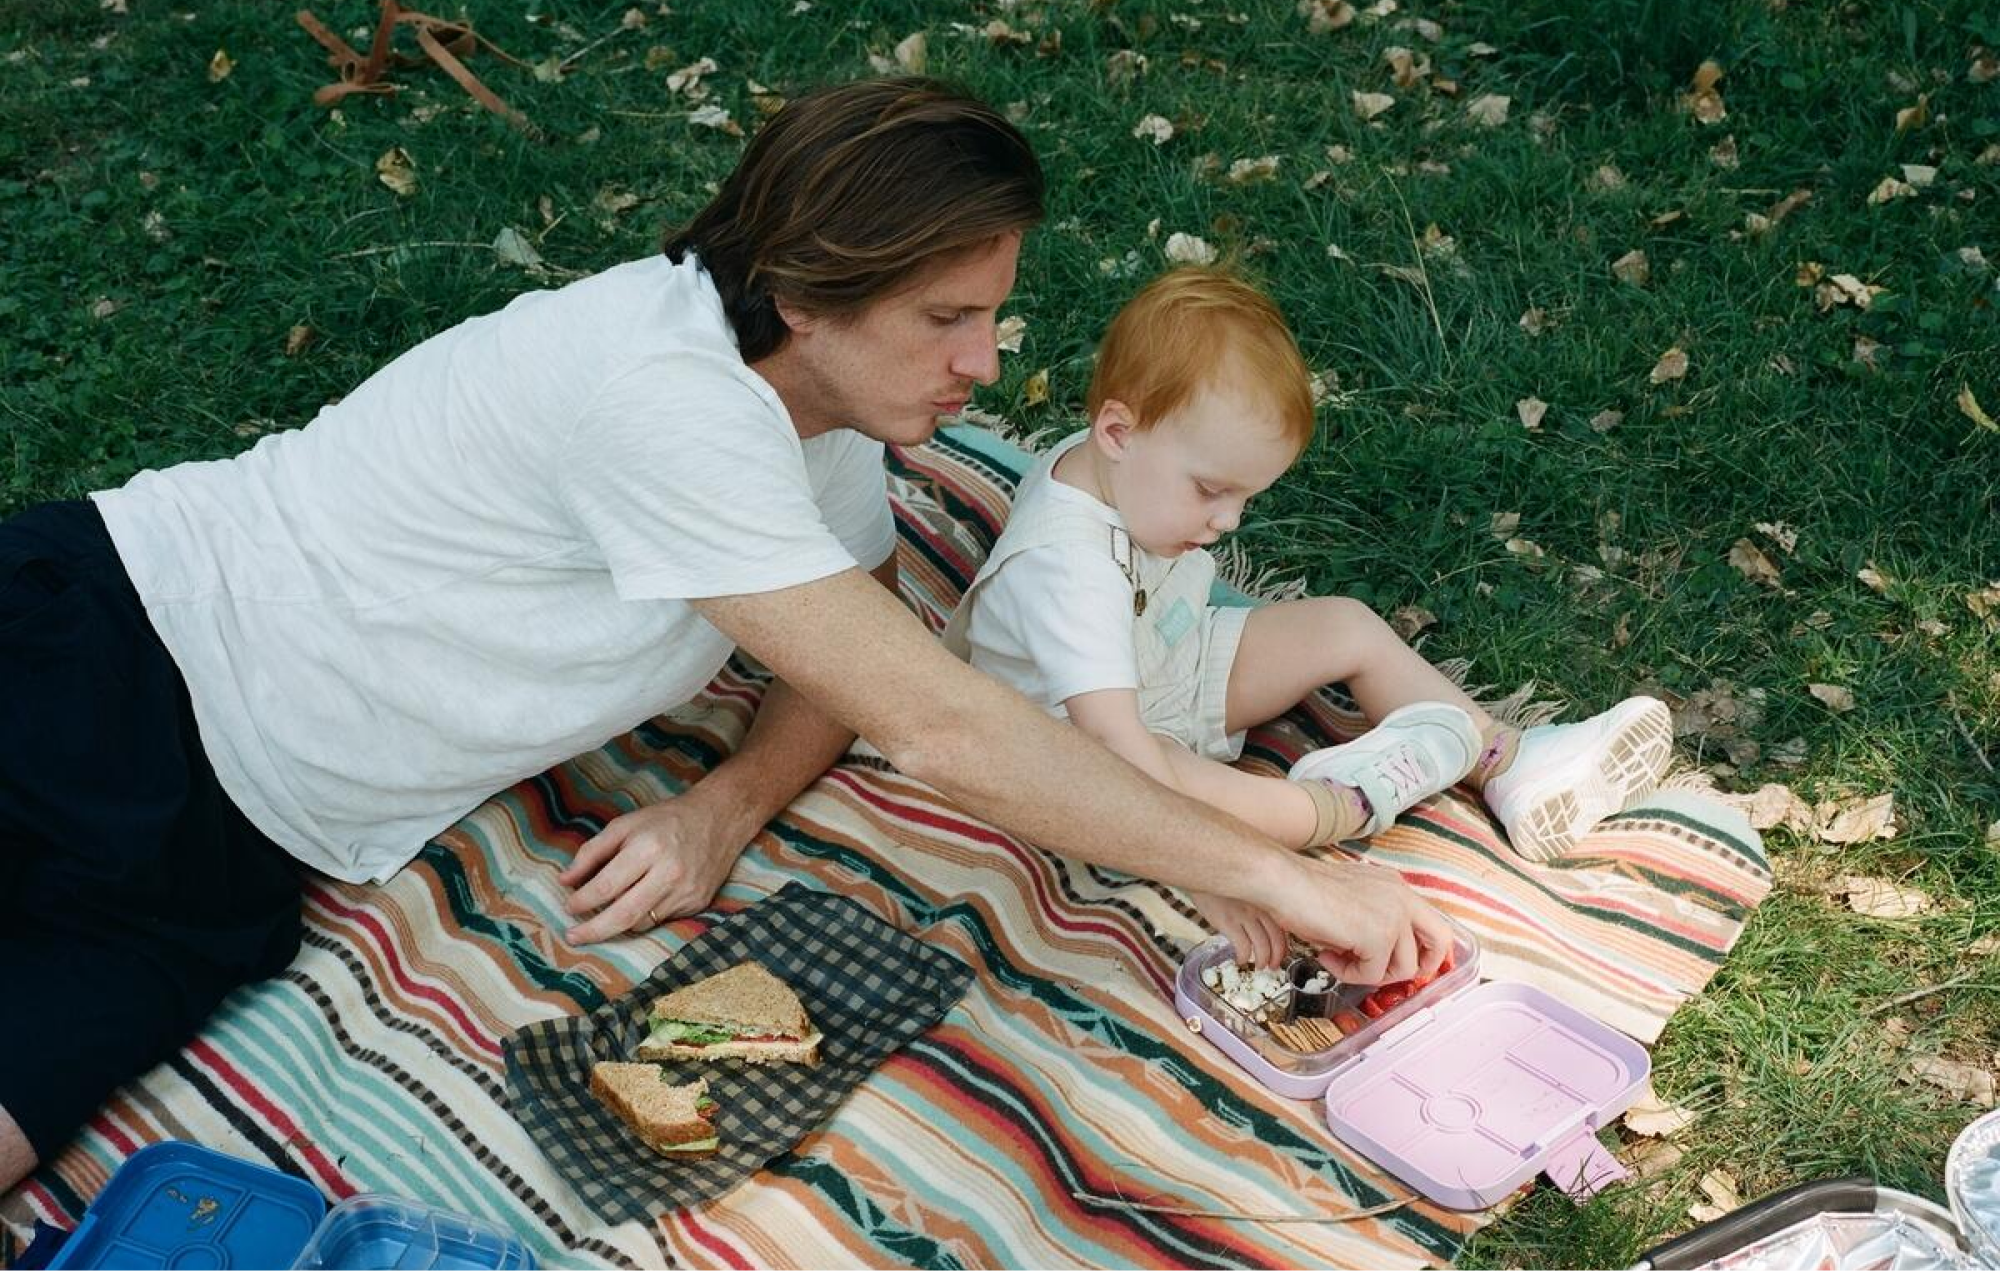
[{"x": 1344, "y": 618}]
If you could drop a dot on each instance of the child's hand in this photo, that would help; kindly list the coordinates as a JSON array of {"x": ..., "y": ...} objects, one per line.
[{"x": 1255, "y": 935}]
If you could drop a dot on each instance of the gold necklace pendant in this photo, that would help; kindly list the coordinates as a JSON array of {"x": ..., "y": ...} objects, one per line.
[{"x": 1139, "y": 603}]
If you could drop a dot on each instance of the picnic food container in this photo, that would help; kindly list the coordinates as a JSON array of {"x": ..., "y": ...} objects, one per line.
[
  {"x": 1850, "y": 1223},
  {"x": 182, "y": 1205},
  {"x": 1463, "y": 1091},
  {"x": 388, "y": 1231}
]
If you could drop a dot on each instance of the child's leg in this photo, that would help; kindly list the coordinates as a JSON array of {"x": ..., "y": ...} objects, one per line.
[
  {"x": 1291, "y": 648},
  {"x": 1292, "y": 812}
]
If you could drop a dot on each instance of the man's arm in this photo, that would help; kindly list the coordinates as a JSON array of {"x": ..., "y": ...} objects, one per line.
[
  {"x": 669, "y": 859},
  {"x": 871, "y": 665}
]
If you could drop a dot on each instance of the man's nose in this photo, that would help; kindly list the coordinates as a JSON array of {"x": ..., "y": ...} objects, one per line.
[{"x": 977, "y": 357}]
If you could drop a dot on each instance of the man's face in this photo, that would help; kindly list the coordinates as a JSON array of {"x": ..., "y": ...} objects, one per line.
[{"x": 891, "y": 371}]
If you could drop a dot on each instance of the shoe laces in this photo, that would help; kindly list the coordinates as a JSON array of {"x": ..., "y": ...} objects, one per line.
[{"x": 1405, "y": 771}]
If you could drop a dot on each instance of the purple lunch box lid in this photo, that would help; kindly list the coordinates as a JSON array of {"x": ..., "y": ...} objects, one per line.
[{"x": 1472, "y": 1098}]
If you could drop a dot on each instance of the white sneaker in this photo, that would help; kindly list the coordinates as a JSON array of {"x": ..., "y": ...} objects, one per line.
[
  {"x": 1567, "y": 777},
  {"x": 1416, "y": 751}
]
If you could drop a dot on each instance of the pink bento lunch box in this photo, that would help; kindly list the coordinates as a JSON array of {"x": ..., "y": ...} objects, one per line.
[{"x": 1463, "y": 1091}]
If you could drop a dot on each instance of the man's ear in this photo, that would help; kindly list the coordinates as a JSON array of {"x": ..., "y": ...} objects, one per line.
[
  {"x": 795, "y": 318},
  {"x": 1112, "y": 427}
]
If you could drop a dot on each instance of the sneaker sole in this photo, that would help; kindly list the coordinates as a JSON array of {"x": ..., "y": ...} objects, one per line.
[{"x": 1634, "y": 756}]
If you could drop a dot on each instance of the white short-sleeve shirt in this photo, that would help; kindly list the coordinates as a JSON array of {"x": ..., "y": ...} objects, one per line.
[{"x": 479, "y": 563}]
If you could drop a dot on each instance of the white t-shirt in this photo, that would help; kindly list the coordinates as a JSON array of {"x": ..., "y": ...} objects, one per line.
[
  {"x": 478, "y": 564},
  {"x": 1053, "y": 623}
]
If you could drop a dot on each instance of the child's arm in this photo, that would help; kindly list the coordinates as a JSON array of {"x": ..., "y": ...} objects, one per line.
[{"x": 1112, "y": 717}]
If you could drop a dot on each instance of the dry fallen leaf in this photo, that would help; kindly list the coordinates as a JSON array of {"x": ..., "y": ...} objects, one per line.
[
  {"x": 1157, "y": 129},
  {"x": 513, "y": 247},
  {"x": 1504, "y": 524},
  {"x": 1911, "y": 117},
  {"x": 1751, "y": 562},
  {"x": 219, "y": 67},
  {"x": 1720, "y": 1188},
  {"x": 1531, "y": 410},
  {"x": 1251, "y": 171},
  {"x": 1007, "y": 335},
  {"x": 1323, "y": 16},
  {"x": 1705, "y": 102},
  {"x": 1780, "y": 533},
  {"x": 1525, "y": 547},
  {"x": 1673, "y": 365},
  {"x": 1409, "y": 621},
  {"x": 1920, "y": 175},
  {"x": 1969, "y": 406},
  {"x": 1186, "y": 249},
  {"x": 1653, "y": 1118},
  {"x": 1633, "y": 268},
  {"x": 1985, "y": 66},
  {"x": 1857, "y": 819},
  {"x": 1985, "y": 605},
  {"x": 1967, "y": 1082},
  {"x": 1534, "y": 321},
  {"x": 1874, "y": 579},
  {"x": 1844, "y": 289},
  {"x": 687, "y": 80},
  {"x": 1405, "y": 67},
  {"x": 1723, "y": 153},
  {"x": 913, "y": 53},
  {"x": 1835, "y": 698},
  {"x": 1650, "y": 1158},
  {"x": 1036, "y": 390},
  {"x": 297, "y": 338},
  {"x": 1489, "y": 111},
  {"x": 1866, "y": 350},
  {"x": 1606, "y": 420},
  {"x": 395, "y": 169},
  {"x": 1774, "y": 805},
  {"x": 714, "y": 116},
  {"x": 1370, "y": 105},
  {"x": 1890, "y": 188}
]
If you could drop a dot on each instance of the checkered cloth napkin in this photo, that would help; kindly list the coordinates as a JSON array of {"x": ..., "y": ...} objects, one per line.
[{"x": 869, "y": 987}]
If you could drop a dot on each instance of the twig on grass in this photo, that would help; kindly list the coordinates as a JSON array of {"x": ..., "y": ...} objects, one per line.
[
  {"x": 1951, "y": 711},
  {"x": 1926, "y": 991}
]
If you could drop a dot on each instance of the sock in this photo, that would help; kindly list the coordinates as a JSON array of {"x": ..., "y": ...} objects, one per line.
[
  {"x": 1496, "y": 754},
  {"x": 1339, "y": 811}
]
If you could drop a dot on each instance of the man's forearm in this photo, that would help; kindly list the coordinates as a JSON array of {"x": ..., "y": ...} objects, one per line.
[{"x": 790, "y": 743}]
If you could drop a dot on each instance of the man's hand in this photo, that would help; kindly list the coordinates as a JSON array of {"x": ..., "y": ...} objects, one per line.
[
  {"x": 1254, "y": 934},
  {"x": 1369, "y": 926},
  {"x": 657, "y": 863}
]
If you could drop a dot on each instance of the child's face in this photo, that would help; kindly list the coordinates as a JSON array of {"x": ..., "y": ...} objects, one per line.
[{"x": 1183, "y": 483}]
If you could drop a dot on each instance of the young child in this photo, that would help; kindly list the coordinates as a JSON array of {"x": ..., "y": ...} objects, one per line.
[{"x": 1095, "y": 603}]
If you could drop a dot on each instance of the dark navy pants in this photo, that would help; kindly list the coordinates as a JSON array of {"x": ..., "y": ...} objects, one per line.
[{"x": 133, "y": 894}]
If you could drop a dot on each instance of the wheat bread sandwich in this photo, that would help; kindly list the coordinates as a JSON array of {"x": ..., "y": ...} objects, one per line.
[
  {"x": 671, "y": 1119},
  {"x": 742, "y": 1013}
]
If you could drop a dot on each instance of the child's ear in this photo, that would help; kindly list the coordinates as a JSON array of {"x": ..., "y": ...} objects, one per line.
[{"x": 1112, "y": 428}]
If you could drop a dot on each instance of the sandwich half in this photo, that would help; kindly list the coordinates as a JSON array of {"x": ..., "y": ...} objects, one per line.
[
  {"x": 742, "y": 1013},
  {"x": 670, "y": 1119}
]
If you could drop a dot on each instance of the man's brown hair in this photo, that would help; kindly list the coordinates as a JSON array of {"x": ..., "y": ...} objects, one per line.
[{"x": 850, "y": 192}]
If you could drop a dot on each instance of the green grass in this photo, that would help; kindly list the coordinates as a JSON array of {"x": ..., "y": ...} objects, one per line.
[{"x": 269, "y": 215}]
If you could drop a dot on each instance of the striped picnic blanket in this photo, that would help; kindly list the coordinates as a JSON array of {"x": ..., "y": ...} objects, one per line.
[{"x": 374, "y": 1062}]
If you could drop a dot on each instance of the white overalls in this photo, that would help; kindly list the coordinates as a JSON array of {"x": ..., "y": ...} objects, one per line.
[{"x": 1183, "y": 644}]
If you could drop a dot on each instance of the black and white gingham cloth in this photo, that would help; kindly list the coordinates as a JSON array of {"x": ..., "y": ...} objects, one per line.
[{"x": 869, "y": 987}]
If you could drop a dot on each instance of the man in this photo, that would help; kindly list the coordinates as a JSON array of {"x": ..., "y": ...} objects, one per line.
[{"x": 521, "y": 538}]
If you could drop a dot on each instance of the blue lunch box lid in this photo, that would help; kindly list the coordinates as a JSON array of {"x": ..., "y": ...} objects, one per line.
[{"x": 182, "y": 1205}]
